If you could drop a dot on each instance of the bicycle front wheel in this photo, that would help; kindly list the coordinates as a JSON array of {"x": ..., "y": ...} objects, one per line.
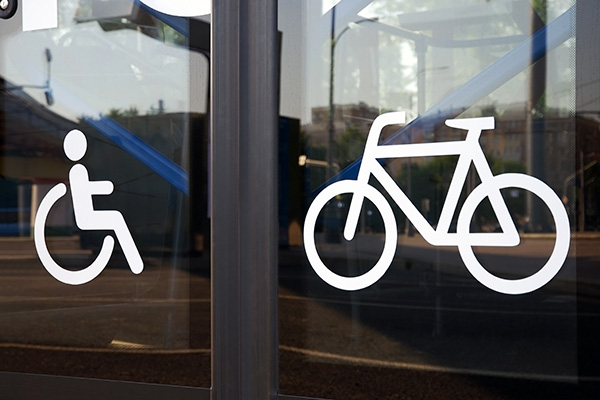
[
  {"x": 362, "y": 281},
  {"x": 561, "y": 244}
]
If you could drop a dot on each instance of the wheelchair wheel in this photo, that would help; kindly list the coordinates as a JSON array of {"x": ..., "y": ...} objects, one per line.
[{"x": 61, "y": 274}]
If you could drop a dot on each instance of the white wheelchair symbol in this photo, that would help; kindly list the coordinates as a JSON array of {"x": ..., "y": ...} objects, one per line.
[
  {"x": 86, "y": 218},
  {"x": 469, "y": 151}
]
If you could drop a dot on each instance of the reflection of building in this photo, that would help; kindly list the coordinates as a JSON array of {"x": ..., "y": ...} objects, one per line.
[
  {"x": 359, "y": 116},
  {"x": 508, "y": 142},
  {"x": 31, "y": 157},
  {"x": 542, "y": 146},
  {"x": 587, "y": 168},
  {"x": 32, "y": 161}
]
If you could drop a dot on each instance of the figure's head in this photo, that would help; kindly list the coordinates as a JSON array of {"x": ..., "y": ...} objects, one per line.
[{"x": 75, "y": 145}]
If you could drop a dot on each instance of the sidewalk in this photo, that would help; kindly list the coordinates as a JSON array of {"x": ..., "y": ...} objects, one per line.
[{"x": 23, "y": 247}]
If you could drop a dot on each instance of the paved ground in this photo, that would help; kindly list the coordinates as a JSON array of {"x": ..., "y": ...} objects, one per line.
[
  {"x": 153, "y": 327},
  {"x": 427, "y": 330}
]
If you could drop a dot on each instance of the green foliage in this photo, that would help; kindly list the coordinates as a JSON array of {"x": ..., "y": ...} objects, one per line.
[
  {"x": 429, "y": 180},
  {"x": 349, "y": 147},
  {"x": 541, "y": 8},
  {"x": 118, "y": 112},
  {"x": 500, "y": 166}
]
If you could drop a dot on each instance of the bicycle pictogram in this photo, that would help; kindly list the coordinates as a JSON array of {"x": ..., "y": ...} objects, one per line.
[
  {"x": 469, "y": 152},
  {"x": 86, "y": 218}
]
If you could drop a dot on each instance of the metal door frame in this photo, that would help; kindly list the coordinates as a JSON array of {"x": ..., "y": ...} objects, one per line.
[{"x": 244, "y": 233}]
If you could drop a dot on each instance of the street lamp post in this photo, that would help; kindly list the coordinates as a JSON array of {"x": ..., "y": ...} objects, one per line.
[
  {"x": 331, "y": 126},
  {"x": 332, "y": 235},
  {"x": 331, "y": 123}
]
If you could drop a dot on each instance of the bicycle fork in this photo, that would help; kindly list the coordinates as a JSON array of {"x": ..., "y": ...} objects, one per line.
[
  {"x": 358, "y": 199},
  {"x": 364, "y": 172}
]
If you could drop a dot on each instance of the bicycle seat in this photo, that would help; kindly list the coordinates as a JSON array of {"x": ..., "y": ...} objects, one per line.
[{"x": 472, "y": 124}]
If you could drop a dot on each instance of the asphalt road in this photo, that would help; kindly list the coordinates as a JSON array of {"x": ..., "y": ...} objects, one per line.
[
  {"x": 427, "y": 330},
  {"x": 153, "y": 327}
]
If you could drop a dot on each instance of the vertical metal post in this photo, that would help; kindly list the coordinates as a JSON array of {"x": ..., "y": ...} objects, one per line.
[
  {"x": 587, "y": 99},
  {"x": 535, "y": 138},
  {"x": 244, "y": 109},
  {"x": 331, "y": 124}
]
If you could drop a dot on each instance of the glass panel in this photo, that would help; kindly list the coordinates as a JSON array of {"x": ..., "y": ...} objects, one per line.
[
  {"x": 459, "y": 269},
  {"x": 130, "y": 84}
]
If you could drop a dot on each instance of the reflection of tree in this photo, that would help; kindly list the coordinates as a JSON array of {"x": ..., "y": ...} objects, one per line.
[
  {"x": 541, "y": 8},
  {"x": 118, "y": 112},
  {"x": 430, "y": 181},
  {"x": 348, "y": 147},
  {"x": 444, "y": 65}
]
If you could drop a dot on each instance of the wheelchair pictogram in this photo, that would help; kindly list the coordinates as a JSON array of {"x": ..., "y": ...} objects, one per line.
[
  {"x": 469, "y": 152},
  {"x": 86, "y": 218}
]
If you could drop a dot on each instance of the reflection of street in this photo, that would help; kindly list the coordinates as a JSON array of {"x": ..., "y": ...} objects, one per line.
[
  {"x": 518, "y": 261},
  {"x": 428, "y": 317},
  {"x": 154, "y": 327},
  {"x": 417, "y": 323}
]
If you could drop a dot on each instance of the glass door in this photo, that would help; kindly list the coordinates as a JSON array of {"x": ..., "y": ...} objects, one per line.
[
  {"x": 421, "y": 136},
  {"x": 104, "y": 212}
]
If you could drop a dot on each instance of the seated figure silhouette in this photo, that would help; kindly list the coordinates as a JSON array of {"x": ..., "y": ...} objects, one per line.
[{"x": 82, "y": 190}]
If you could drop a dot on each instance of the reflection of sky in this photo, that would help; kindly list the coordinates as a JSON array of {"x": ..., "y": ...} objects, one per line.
[
  {"x": 94, "y": 71},
  {"x": 379, "y": 68}
]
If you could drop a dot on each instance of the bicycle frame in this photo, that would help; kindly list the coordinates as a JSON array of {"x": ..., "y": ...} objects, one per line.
[{"x": 469, "y": 151}]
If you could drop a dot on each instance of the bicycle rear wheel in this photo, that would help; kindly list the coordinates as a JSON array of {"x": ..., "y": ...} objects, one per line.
[{"x": 561, "y": 245}]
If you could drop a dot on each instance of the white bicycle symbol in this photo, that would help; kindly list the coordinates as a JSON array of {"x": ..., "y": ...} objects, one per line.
[
  {"x": 86, "y": 218},
  {"x": 469, "y": 151}
]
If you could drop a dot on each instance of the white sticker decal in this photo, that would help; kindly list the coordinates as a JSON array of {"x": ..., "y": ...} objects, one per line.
[
  {"x": 86, "y": 218},
  {"x": 469, "y": 152},
  {"x": 43, "y": 14},
  {"x": 40, "y": 14},
  {"x": 180, "y": 8}
]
